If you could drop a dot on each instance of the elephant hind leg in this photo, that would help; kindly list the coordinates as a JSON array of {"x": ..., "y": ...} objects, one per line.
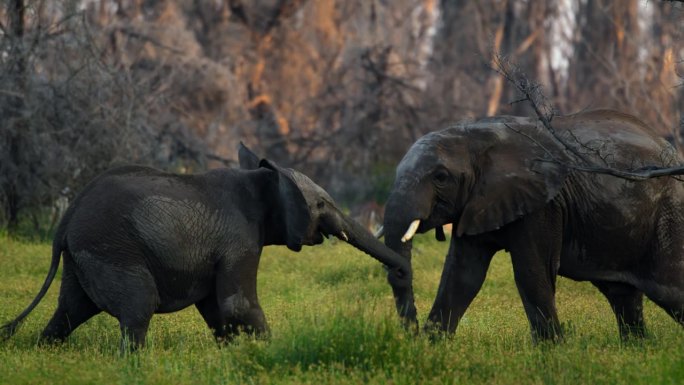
[
  {"x": 134, "y": 319},
  {"x": 135, "y": 315},
  {"x": 627, "y": 304},
  {"x": 133, "y": 332},
  {"x": 74, "y": 307},
  {"x": 127, "y": 292}
]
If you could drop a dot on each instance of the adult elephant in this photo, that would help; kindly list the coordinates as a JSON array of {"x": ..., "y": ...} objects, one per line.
[
  {"x": 506, "y": 183},
  {"x": 139, "y": 241}
]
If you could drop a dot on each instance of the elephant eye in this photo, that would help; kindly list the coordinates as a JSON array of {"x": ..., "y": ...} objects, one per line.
[
  {"x": 320, "y": 204},
  {"x": 441, "y": 176}
]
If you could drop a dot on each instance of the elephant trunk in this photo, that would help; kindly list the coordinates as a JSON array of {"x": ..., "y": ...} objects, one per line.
[
  {"x": 399, "y": 229},
  {"x": 356, "y": 235},
  {"x": 403, "y": 294}
]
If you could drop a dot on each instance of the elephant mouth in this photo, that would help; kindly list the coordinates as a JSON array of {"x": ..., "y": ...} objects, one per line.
[
  {"x": 322, "y": 231},
  {"x": 442, "y": 213},
  {"x": 418, "y": 226},
  {"x": 317, "y": 238}
]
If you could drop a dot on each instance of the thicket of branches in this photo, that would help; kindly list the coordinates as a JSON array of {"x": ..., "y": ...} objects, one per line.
[
  {"x": 336, "y": 88},
  {"x": 70, "y": 108}
]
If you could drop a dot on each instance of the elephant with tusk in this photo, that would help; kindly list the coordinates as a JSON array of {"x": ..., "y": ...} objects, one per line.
[{"x": 507, "y": 183}]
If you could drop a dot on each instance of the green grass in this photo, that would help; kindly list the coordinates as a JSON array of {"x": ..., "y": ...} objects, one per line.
[{"x": 332, "y": 320}]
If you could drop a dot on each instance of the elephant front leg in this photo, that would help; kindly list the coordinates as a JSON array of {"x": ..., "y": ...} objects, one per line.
[
  {"x": 535, "y": 253},
  {"x": 243, "y": 314},
  {"x": 540, "y": 307},
  {"x": 209, "y": 309},
  {"x": 233, "y": 317},
  {"x": 465, "y": 269},
  {"x": 237, "y": 301}
]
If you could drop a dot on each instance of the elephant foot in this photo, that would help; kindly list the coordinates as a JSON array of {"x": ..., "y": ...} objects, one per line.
[
  {"x": 436, "y": 332},
  {"x": 552, "y": 333},
  {"x": 411, "y": 326},
  {"x": 49, "y": 340},
  {"x": 632, "y": 333}
]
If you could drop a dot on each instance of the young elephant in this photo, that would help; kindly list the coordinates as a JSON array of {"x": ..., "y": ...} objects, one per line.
[{"x": 139, "y": 241}]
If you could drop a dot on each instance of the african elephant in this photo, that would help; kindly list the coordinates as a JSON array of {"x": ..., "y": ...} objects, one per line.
[
  {"x": 507, "y": 183},
  {"x": 139, "y": 241}
]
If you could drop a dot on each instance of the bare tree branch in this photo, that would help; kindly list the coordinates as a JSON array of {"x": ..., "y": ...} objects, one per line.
[{"x": 532, "y": 93}]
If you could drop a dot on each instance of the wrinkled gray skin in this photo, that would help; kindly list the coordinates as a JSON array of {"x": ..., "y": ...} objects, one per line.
[
  {"x": 491, "y": 183},
  {"x": 139, "y": 241}
]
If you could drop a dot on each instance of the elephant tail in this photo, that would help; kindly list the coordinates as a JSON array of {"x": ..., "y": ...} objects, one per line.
[{"x": 7, "y": 330}]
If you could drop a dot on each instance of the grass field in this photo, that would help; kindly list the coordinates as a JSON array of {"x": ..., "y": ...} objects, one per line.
[{"x": 332, "y": 320}]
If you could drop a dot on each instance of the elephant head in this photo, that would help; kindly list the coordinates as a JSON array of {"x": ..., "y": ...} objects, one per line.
[
  {"x": 308, "y": 214},
  {"x": 478, "y": 177}
]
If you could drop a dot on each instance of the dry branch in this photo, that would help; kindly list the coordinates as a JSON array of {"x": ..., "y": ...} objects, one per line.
[{"x": 532, "y": 93}]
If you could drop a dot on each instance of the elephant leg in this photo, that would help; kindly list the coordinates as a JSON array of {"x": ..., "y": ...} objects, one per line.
[
  {"x": 627, "y": 304},
  {"x": 535, "y": 253},
  {"x": 74, "y": 307},
  {"x": 237, "y": 297},
  {"x": 537, "y": 291},
  {"x": 127, "y": 292},
  {"x": 135, "y": 312},
  {"x": 677, "y": 312},
  {"x": 665, "y": 286},
  {"x": 465, "y": 269},
  {"x": 672, "y": 301},
  {"x": 210, "y": 311},
  {"x": 251, "y": 321},
  {"x": 664, "y": 283},
  {"x": 133, "y": 332}
]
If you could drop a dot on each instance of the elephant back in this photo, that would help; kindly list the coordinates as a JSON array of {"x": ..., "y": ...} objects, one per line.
[{"x": 617, "y": 140}]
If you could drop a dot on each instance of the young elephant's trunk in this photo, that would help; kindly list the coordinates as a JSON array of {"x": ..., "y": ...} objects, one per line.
[{"x": 400, "y": 268}]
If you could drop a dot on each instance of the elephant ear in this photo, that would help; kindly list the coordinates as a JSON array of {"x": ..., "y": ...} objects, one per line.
[
  {"x": 513, "y": 175},
  {"x": 248, "y": 159},
  {"x": 293, "y": 206}
]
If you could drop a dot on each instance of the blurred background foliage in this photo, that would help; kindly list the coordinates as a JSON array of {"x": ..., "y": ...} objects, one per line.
[{"x": 338, "y": 89}]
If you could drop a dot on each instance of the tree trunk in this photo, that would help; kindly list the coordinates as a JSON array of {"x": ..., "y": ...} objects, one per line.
[{"x": 15, "y": 13}]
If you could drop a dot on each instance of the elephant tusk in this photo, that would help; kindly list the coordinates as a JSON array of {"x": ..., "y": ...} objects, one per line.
[
  {"x": 344, "y": 236},
  {"x": 411, "y": 231},
  {"x": 381, "y": 231}
]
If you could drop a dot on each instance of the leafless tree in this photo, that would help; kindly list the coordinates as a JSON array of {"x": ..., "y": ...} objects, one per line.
[
  {"x": 69, "y": 111},
  {"x": 337, "y": 88}
]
